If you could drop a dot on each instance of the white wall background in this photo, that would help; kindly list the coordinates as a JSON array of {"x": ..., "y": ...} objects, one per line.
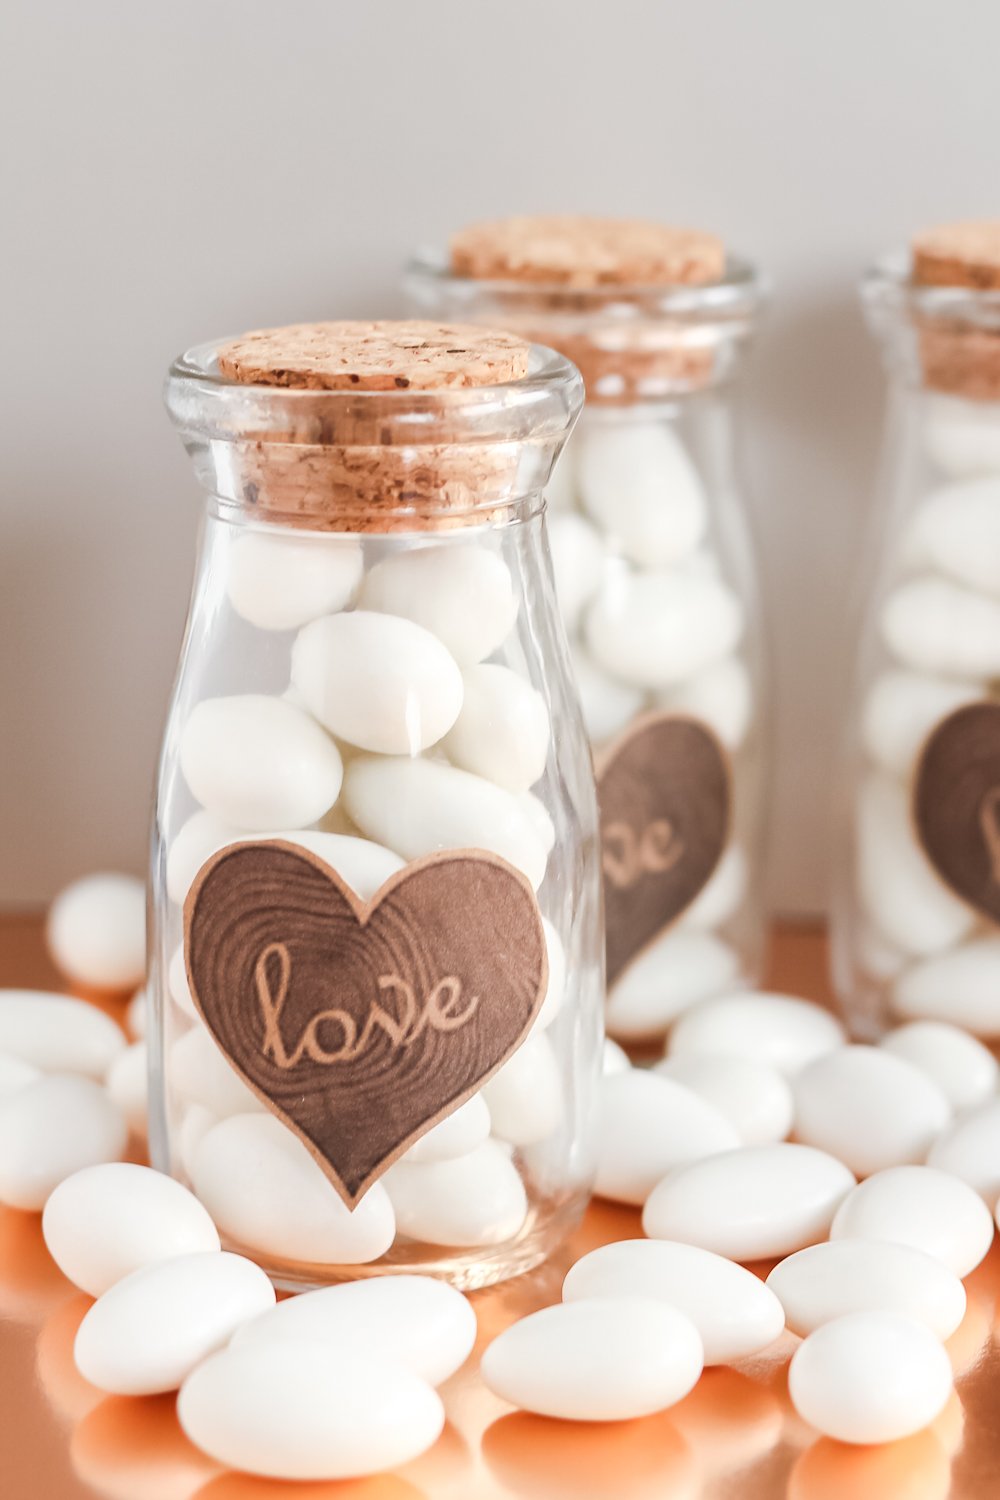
[{"x": 176, "y": 170}]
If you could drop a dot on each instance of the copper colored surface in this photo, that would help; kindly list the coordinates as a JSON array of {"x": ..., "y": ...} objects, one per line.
[{"x": 735, "y": 1437}]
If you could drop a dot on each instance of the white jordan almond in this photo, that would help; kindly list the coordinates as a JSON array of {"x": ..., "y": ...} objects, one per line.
[
  {"x": 826, "y": 1281},
  {"x": 937, "y": 626},
  {"x": 962, "y": 986},
  {"x": 673, "y": 974},
  {"x": 964, "y": 1070},
  {"x": 923, "y": 1207},
  {"x": 50, "y": 1129},
  {"x": 377, "y": 681},
  {"x": 654, "y": 630},
  {"x": 56, "y": 1034},
  {"x": 749, "y": 1204},
  {"x": 648, "y": 1125},
  {"x": 734, "y": 1312},
  {"x": 605, "y": 1359},
  {"x": 868, "y": 1108},
  {"x": 473, "y": 1200},
  {"x": 781, "y": 1031},
  {"x": 460, "y": 592},
  {"x": 755, "y": 1098},
  {"x": 639, "y": 485},
  {"x": 502, "y": 732},
  {"x": 279, "y": 580},
  {"x": 96, "y": 932}
]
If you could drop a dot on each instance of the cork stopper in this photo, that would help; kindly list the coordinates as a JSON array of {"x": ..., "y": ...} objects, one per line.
[
  {"x": 574, "y": 250},
  {"x": 965, "y": 254},
  {"x": 598, "y": 290},
  {"x": 958, "y": 356},
  {"x": 374, "y": 427},
  {"x": 383, "y": 356}
]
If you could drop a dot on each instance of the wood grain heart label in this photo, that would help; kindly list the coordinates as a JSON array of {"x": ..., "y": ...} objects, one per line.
[
  {"x": 665, "y": 802},
  {"x": 362, "y": 1024},
  {"x": 956, "y": 804}
]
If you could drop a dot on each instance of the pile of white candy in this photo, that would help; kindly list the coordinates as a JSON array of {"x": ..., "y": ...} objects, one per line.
[
  {"x": 654, "y": 626},
  {"x": 342, "y": 1382},
  {"x": 940, "y": 624},
  {"x": 396, "y": 738}
]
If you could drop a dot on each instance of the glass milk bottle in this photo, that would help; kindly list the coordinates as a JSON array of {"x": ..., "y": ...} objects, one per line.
[
  {"x": 915, "y": 933},
  {"x": 376, "y": 966},
  {"x": 655, "y": 578}
]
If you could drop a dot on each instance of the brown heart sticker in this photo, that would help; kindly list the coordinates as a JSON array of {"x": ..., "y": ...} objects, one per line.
[
  {"x": 956, "y": 804},
  {"x": 665, "y": 801},
  {"x": 362, "y": 1024}
]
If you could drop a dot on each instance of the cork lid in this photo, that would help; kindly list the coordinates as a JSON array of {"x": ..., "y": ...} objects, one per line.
[
  {"x": 646, "y": 311},
  {"x": 964, "y": 254},
  {"x": 575, "y": 250},
  {"x": 382, "y": 356},
  {"x": 374, "y": 426},
  {"x": 955, "y": 275}
]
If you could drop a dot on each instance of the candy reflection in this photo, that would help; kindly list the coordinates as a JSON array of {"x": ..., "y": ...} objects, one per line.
[
  {"x": 916, "y": 1468},
  {"x": 127, "y": 1448},
  {"x": 71, "y": 1396},
  {"x": 539, "y": 1459}
]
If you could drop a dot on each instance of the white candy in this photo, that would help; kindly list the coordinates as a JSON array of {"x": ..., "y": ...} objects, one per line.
[
  {"x": 901, "y": 710},
  {"x": 970, "y": 1150},
  {"x": 463, "y": 594},
  {"x": 56, "y": 1034},
  {"x": 456, "y": 1135},
  {"x": 601, "y": 1360},
  {"x": 502, "y": 732},
  {"x": 842, "y": 1276},
  {"x": 941, "y": 627},
  {"x": 50, "y": 1129},
  {"x": 107, "y": 1221},
  {"x": 201, "y": 836},
  {"x": 577, "y": 564},
  {"x": 922, "y": 1207},
  {"x": 657, "y": 629},
  {"x": 15, "y": 1073},
  {"x": 195, "y": 1124},
  {"x": 780, "y": 1030},
  {"x": 198, "y": 1071},
  {"x": 734, "y": 1312},
  {"x": 878, "y": 957},
  {"x": 151, "y": 1329},
  {"x": 756, "y": 1099},
  {"x": 908, "y": 902},
  {"x": 423, "y": 1325},
  {"x": 752, "y": 1203},
  {"x": 540, "y": 819},
  {"x": 279, "y": 580},
  {"x": 870, "y": 1377},
  {"x": 419, "y": 806},
  {"x": 178, "y": 987},
  {"x": 127, "y": 1086},
  {"x": 555, "y": 992},
  {"x": 647, "y": 1126},
  {"x": 259, "y": 762},
  {"x": 137, "y": 1015},
  {"x": 377, "y": 681},
  {"x": 96, "y": 932},
  {"x": 962, "y": 987},
  {"x": 266, "y": 1192},
  {"x": 957, "y": 530},
  {"x": 525, "y": 1097},
  {"x": 638, "y": 483},
  {"x": 721, "y": 696},
  {"x": 723, "y": 895},
  {"x": 607, "y": 704},
  {"x": 478, "y": 1199},
  {"x": 868, "y": 1108},
  {"x": 965, "y": 1072},
  {"x": 674, "y": 973},
  {"x": 301, "y": 1410},
  {"x": 962, "y": 437},
  {"x": 364, "y": 865},
  {"x": 614, "y": 1059}
]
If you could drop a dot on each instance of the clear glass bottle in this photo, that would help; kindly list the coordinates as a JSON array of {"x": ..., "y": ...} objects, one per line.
[
  {"x": 917, "y": 882},
  {"x": 374, "y": 674},
  {"x": 657, "y": 585}
]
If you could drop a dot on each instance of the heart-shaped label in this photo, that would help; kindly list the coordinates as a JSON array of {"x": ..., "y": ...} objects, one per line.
[
  {"x": 665, "y": 801},
  {"x": 956, "y": 804},
  {"x": 362, "y": 1024}
]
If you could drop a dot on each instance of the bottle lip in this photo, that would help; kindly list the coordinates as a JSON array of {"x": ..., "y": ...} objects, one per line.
[
  {"x": 739, "y": 293},
  {"x": 890, "y": 295},
  {"x": 205, "y": 404}
]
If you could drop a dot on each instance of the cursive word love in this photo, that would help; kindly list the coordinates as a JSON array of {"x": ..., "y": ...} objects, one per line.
[
  {"x": 442, "y": 1010},
  {"x": 628, "y": 856},
  {"x": 989, "y": 822}
]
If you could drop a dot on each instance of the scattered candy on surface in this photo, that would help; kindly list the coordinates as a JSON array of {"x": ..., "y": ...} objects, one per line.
[{"x": 96, "y": 932}]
